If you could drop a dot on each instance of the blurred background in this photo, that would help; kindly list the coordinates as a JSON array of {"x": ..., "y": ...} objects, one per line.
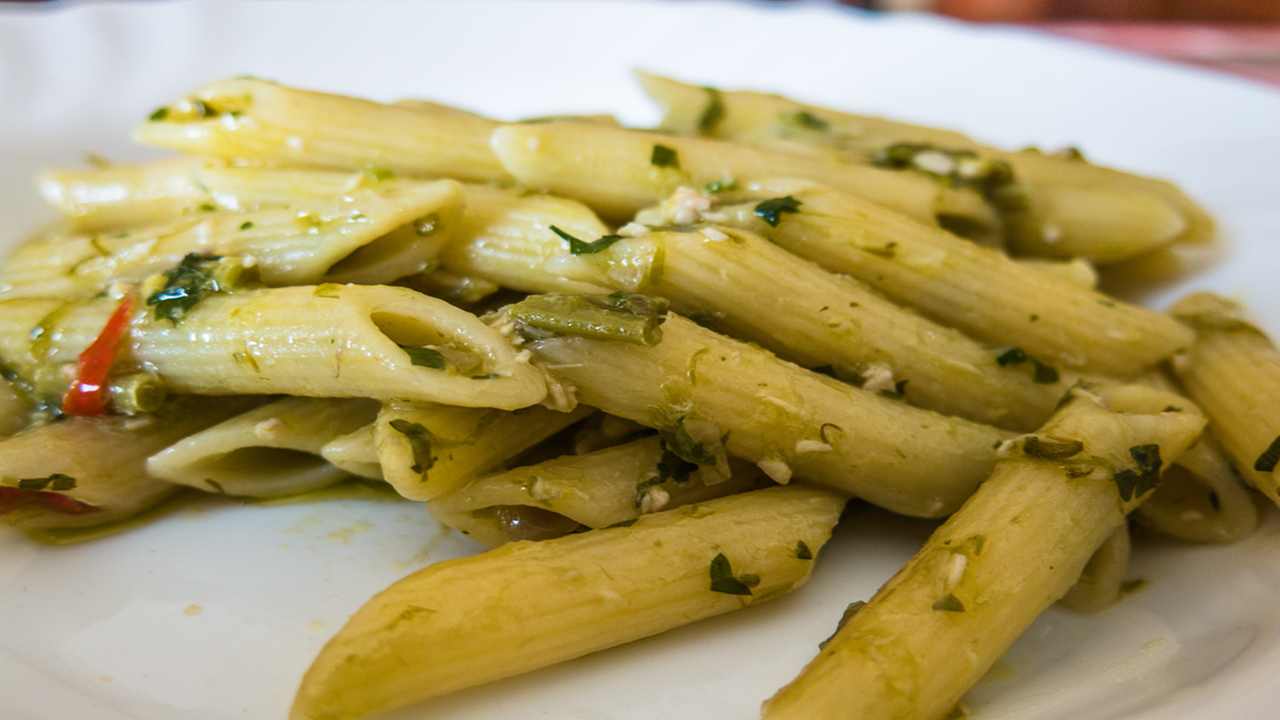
[{"x": 1238, "y": 37}]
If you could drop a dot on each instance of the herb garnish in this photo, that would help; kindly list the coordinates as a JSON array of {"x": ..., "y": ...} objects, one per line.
[
  {"x": 802, "y": 551},
  {"x": 246, "y": 225},
  {"x": 771, "y": 210},
  {"x": 56, "y": 481},
  {"x": 663, "y": 156},
  {"x": 582, "y": 247},
  {"x": 1269, "y": 458},
  {"x": 673, "y": 467},
  {"x": 991, "y": 177},
  {"x": 683, "y": 446},
  {"x": 806, "y": 119},
  {"x": 158, "y": 114},
  {"x": 185, "y": 285},
  {"x": 425, "y": 357},
  {"x": 625, "y": 317},
  {"x": 713, "y": 113},
  {"x": 724, "y": 581},
  {"x": 419, "y": 440},
  {"x": 849, "y": 611},
  {"x": 949, "y": 603},
  {"x": 378, "y": 174},
  {"x": 1042, "y": 374},
  {"x": 1135, "y": 483}
]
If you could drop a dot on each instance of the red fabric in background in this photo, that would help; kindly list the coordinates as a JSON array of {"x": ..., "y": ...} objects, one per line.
[{"x": 1251, "y": 51}]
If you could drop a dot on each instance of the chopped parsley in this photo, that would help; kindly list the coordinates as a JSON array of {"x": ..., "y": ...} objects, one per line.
[
  {"x": 185, "y": 286},
  {"x": 663, "y": 156},
  {"x": 1042, "y": 373},
  {"x": 246, "y": 225},
  {"x": 673, "y": 467},
  {"x": 682, "y": 445},
  {"x": 712, "y": 113},
  {"x": 1269, "y": 458},
  {"x": 1049, "y": 448},
  {"x": 807, "y": 120},
  {"x": 1135, "y": 483},
  {"x": 425, "y": 357},
  {"x": 583, "y": 247},
  {"x": 802, "y": 551},
  {"x": 378, "y": 174},
  {"x": 991, "y": 177},
  {"x": 159, "y": 114},
  {"x": 849, "y": 611},
  {"x": 57, "y": 482},
  {"x": 420, "y": 442},
  {"x": 724, "y": 581},
  {"x": 771, "y": 210},
  {"x": 949, "y": 603}
]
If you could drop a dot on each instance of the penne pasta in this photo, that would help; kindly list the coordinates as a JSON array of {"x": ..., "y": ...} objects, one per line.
[
  {"x": 1233, "y": 372},
  {"x": 261, "y": 121},
  {"x": 15, "y": 409},
  {"x": 1056, "y": 205},
  {"x": 1015, "y": 547},
  {"x": 589, "y": 491},
  {"x": 1102, "y": 580},
  {"x": 711, "y": 394},
  {"x": 450, "y": 626},
  {"x": 1078, "y": 271},
  {"x": 82, "y": 472},
  {"x": 427, "y": 450},
  {"x": 270, "y": 451},
  {"x": 325, "y": 341},
  {"x": 355, "y": 453},
  {"x": 618, "y": 172},
  {"x": 365, "y": 235},
  {"x": 99, "y": 199},
  {"x": 974, "y": 289}
]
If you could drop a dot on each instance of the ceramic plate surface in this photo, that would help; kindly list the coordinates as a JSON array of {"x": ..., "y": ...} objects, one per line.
[{"x": 217, "y": 610}]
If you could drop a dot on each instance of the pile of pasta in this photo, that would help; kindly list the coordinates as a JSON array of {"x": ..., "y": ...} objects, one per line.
[{"x": 648, "y": 367}]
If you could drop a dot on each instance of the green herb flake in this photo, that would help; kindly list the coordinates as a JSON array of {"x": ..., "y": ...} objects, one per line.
[
  {"x": 1269, "y": 458},
  {"x": 673, "y": 467},
  {"x": 419, "y": 441},
  {"x": 771, "y": 210},
  {"x": 160, "y": 114},
  {"x": 679, "y": 442},
  {"x": 949, "y": 603},
  {"x": 1049, "y": 448},
  {"x": 1175, "y": 408},
  {"x": 712, "y": 112},
  {"x": 807, "y": 120},
  {"x": 207, "y": 207},
  {"x": 328, "y": 290},
  {"x": 1135, "y": 483},
  {"x": 185, "y": 286},
  {"x": 663, "y": 156},
  {"x": 246, "y": 225},
  {"x": 56, "y": 482},
  {"x": 849, "y": 611},
  {"x": 582, "y": 247},
  {"x": 425, "y": 357},
  {"x": 723, "y": 580},
  {"x": 378, "y": 174},
  {"x": 802, "y": 551},
  {"x": 1012, "y": 356},
  {"x": 1044, "y": 374}
]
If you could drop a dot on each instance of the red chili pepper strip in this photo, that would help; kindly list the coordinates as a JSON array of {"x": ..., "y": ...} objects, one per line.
[
  {"x": 88, "y": 394},
  {"x": 14, "y": 498}
]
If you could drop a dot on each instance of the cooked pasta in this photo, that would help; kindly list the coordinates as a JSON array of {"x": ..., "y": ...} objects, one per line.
[{"x": 647, "y": 368}]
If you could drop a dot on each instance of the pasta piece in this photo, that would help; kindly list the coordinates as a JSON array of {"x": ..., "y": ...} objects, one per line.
[
  {"x": 465, "y": 291},
  {"x": 366, "y": 235},
  {"x": 14, "y": 409},
  {"x": 602, "y": 431},
  {"x": 82, "y": 472},
  {"x": 1015, "y": 547},
  {"x": 1078, "y": 271},
  {"x": 1233, "y": 372},
  {"x": 325, "y": 341},
  {"x": 977, "y": 290},
  {"x": 427, "y": 450},
  {"x": 618, "y": 172},
  {"x": 1102, "y": 580},
  {"x": 713, "y": 394},
  {"x": 453, "y": 626},
  {"x": 819, "y": 319},
  {"x": 355, "y": 453},
  {"x": 264, "y": 121},
  {"x": 270, "y": 451},
  {"x": 1058, "y": 206},
  {"x": 1201, "y": 498},
  {"x": 574, "y": 492},
  {"x": 119, "y": 196}
]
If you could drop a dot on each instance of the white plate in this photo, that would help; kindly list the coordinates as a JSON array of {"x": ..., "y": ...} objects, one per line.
[{"x": 216, "y": 613}]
